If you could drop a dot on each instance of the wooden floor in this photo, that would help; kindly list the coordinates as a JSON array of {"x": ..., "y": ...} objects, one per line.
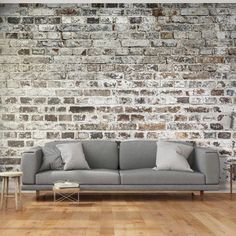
[{"x": 159, "y": 214}]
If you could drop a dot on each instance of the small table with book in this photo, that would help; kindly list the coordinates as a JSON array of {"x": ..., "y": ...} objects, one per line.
[{"x": 66, "y": 190}]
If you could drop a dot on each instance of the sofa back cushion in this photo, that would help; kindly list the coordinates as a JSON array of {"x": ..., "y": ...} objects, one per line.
[
  {"x": 137, "y": 154},
  {"x": 98, "y": 153}
]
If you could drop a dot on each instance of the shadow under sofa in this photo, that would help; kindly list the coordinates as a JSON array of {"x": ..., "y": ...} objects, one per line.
[{"x": 124, "y": 166}]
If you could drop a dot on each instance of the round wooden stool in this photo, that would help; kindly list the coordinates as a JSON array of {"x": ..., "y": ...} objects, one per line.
[{"x": 16, "y": 176}]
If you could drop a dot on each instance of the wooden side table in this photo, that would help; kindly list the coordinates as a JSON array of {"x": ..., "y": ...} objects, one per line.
[
  {"x": 231, "y": 163},
  {"x": 16, "y": 176}
]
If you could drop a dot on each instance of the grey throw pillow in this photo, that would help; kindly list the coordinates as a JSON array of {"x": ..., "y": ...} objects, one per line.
[
  {"x": 73, "y": 156},
  {"x": 57, "y": 164},
  {"x": 173, "y": 156},
  {"x": 51, "y": 159}
]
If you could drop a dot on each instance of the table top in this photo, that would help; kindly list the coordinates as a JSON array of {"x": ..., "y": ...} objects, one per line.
[
  {"x": 66, "y": 189},
  {"x": 11, "y": 174}
]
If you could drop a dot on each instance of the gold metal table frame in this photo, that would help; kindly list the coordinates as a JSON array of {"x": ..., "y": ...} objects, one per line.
[{"x": 66, "y": 194}]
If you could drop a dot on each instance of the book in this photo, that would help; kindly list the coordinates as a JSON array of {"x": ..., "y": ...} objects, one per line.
[
  {"x": 231, "y": 159},
  {"x": 66, "y": 184}
]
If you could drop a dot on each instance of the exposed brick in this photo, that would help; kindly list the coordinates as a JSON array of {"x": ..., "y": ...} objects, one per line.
[
  {"x": 25, "y": 135},
  {"x": 65, "y": 117},
  {"x": 24, "y": 52},
  {"x": 157, "y": 126},
  {"x": 53, "y": 101},
  {"x": 123, "y": 117},
  {"x": 27, "y": 20},
  {"x": 98, "y": 5},
  {"x": 11, "y": 35},
  {"x": 8, "y": 117},
  {"x": 216, "y": 126},
  {"x": 68, "y": 135},
  {"x": 75, "y": 109},
  {"x": 167, "y": 35},
  {"x": 224, "y": 135},
  {"x": 96, "y": 135},
  {"x": 53, "y": 135},
  {"x": 13, "y": 20},
  {"x": 111, "y": 5},
  {"x": 92, "y": 20},
  {"x": 217, "y": 92},
  {"x": 137, "y": 117},
  {"x": 135, "y": 20},
  {"x": 158, "y": 12},
  {"x": 14, "y": 143},
  {"x": 183, "y": 99},
  {"x": 116, "y": 71},
  {"x": 28, "y": 109},
  {"x": 50, "y": 118},
  {"x": 197, "y": 109},
  {"x": 139, "y": 135}
]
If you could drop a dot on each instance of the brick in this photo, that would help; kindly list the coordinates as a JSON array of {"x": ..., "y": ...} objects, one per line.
[
  {"x": 96, "y": 135},
  {"x": 11, "y": 35},
  {"x": 135, "y": 43},
  {"x": 194, "y": 12},
  {"x": 92, "y": 20},
  {"x": 28, "y": 109},
  {"x": 217, "y": 92},
  {"x": 167, "y": 35},
  {"x": 24, "y": 52},
  {"x": 111, "y": 5},
  {"x": 14, "y": 143},
  {"x": 197, "y": 109},
  {"x": 53, "y": 135},
  {"x": 97, "y": 92},
  {"x": 67, "y": 135},
  {"x": 123, "y": 117},
  {"x": 24, "y": 135},
  {"x": 98, "y": 5},
  {"x": 8, "y": 117},
  {"x": 27, "y": 20},
  {"x": 157, "y": 126},
  {"x": 216, "y": 126},
  {"x": 135, "y": 20},
  {"x": 137, "y": 117},
  {"x": 41, "y": 20},
  {"x": 13, "y": 20},
  {"x": 75, "y": 109},
  {"x": 54, "y": 101},
  {"x": 124, "y": 135},
  {"x": 65, "y": 117},
  {"x": 139, "y": 135},
  {"x": 224, "y": 135},
  {"x": 50, "y": 118},
  {"x": 158, "y": 12}
]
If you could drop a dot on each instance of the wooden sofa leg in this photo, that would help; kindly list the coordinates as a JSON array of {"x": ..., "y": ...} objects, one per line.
[
  {"x": 202, "y": 194},
  {"x": 37, "y": 194}
]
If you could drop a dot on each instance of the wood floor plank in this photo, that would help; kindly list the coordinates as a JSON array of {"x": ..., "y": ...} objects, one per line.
[{"x": 160, "y": 214}]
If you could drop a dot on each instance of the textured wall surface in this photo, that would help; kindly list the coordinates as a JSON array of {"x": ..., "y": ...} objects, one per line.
[{"x": 116, "y": 71}]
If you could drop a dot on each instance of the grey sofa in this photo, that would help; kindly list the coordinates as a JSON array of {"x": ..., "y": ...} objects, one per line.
[{"x": 124, "y": 166}]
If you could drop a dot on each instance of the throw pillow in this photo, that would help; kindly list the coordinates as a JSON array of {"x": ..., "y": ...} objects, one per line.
[
  {"x": 73, "y": 156},
  {"x": 50, "y": 155},
  {"x": 57, "y": 164},
  {"x": 173, "y": 156}
]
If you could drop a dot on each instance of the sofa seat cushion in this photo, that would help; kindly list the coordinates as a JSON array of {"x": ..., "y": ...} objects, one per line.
[
  {"x": 150, "y": 176},
  {"x": 96, "y": 176}
]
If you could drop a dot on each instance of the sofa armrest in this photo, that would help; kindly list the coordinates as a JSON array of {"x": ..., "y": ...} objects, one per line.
[
  {"x": 30, "y": 164},
  {"x": 207, "y": 162}
]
